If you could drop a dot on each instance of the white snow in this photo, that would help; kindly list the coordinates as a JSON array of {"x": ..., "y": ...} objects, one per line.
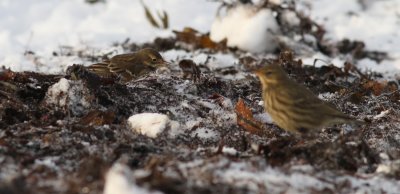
[
  {"x": 376, "y": 25},
  {"x": 68, "y": 94},
  {"x": 229, "y": 151},
  {"x": 227, "y": 103},
  {"x": 49, "y": 161},
  {"x": 56, "y": 90},
  {"x": 290, "y": 18},
  {"x": 247, "y": 28},
  {"x": 175, "y": 128},
  {"x": 326, "y": 96},
  {"x": 391, "y": 168},
  {"x": 73, "y": 26},
  {"x": 219, "y": 61},
  {"x": 193, "y": 123},
  {"x": 207, "y": 104},
  {"x": 205, "y": 133},
  {"x": 382, "y": 114},
  {"x": 301, "y": 179},
  {"x": 46, "y": 26},
  {"x": 212, "y": 61},
  {"x": 119, "y": 179},
  {"x": 152, "y": 124},
  {"x": 263, "y": 117}
]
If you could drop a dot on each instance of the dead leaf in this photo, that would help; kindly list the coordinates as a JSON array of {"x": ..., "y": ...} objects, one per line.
[
  {"x": 6, "y": 74},
  {"x": 198, "y": 40},
  {"x": 245, "y": 118},
  {"x": 163, "y": 16},
  {"x": 375, "y": 87}
]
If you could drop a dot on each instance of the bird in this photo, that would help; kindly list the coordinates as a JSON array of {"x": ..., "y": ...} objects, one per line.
[
  {"x": 293, "y": 107},
  {"x": 130, "y": 65}
]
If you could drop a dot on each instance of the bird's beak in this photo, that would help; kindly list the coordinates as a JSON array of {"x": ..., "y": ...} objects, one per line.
[{"x": 164, "y": 63}]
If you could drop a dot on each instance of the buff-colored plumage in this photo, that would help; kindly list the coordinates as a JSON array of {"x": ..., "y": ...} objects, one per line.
[
  {"x": 131, "y": 65},
  {"x": 292, "y": 106}
]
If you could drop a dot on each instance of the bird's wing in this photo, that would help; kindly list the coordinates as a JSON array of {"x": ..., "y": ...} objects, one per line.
[
  {"x": 300, "y": 96},
  {"x": 100, "y": 69},
  {"x": 297, "y": 93},
  {"x": 120, "y": 63},
  {"x": 303, "y": 98}
]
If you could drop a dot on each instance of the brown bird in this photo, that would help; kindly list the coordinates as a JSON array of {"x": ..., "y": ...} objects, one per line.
[
  {"x": 129, "y": 66},
  {"x": 292, "y": 106}
]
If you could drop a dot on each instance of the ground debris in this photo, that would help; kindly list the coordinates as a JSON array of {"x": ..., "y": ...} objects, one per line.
[
  {"x": 71, "y": 136},
  {"x": 212, "y": 134}
]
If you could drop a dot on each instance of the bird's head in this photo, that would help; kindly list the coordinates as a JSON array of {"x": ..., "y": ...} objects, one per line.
[
  {"x": 152, "y": 58},
  {"x": 271, "y": 74}
]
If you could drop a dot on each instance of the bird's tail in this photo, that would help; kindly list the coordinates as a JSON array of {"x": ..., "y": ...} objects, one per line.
[{"x": 349, "y": 120}]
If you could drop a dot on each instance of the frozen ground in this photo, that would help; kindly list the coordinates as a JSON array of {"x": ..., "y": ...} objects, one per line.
[{"x": 167, "y": 134}]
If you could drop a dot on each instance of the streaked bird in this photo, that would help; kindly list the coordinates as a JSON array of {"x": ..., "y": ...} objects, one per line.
[
  {"x": 292, "y": 106},
  {"x": 129, "y": 66}
]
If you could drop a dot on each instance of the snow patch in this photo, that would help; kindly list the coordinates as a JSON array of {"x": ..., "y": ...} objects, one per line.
[
  {"x": 49, "y": 161},
  {"x": 382, "y": 114},
  {"x": 119, "y": 179},
  {"x": 229, "y": 151},
  {"x": 326, "y": 96},
  {"x": 263, "y": 117},
  {"x": 69, "y": 94},
  {"x": 302, "y": 179},
  {"x": 205, "y": 133},
  {"x": 247, "y": 28},
  {"x": 152, "y": 124},
  {"x": 391, "y": 168},
  {"x": 220, "y": 61},
  {"x": 35, "y": 26}
]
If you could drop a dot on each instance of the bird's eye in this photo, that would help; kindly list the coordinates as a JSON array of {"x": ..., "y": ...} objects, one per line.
[
  {"x": 154, "y": 60},
  {"x": 268, "y": 73}
]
